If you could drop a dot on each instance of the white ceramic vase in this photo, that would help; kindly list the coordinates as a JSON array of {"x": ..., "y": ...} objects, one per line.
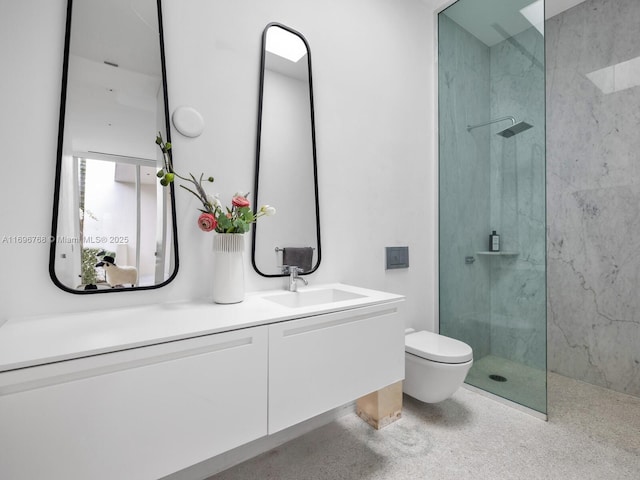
[{"x": 228, "y": 268}]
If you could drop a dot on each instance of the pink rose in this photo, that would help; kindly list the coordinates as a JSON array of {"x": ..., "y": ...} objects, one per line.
[
  {"x": 239, "y": 201},
  {"x": 207, "y": 222}
]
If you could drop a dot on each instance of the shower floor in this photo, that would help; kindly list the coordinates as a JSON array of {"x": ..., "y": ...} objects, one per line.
[{"x": 524, "y": 385}]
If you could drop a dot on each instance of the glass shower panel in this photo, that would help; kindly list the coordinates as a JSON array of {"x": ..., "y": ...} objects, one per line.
[{"x": 491, "y": 103}]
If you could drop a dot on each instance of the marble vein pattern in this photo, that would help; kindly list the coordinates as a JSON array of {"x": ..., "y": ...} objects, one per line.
[{"x": 593, "y": 195}]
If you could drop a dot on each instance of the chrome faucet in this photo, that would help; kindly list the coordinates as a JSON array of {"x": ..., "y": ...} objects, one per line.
[{"x": 293, "y": 272}]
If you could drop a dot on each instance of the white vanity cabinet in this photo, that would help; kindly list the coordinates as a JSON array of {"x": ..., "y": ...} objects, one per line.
[
  {"x": 135, "y": 414},
  {"x": 145, "y": 392},
  {"x": 321, "y": 362}
]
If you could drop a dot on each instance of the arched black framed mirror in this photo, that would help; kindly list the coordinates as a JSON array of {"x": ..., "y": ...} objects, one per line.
[
  {"x": 286, "y": 162},
  {"x": 113, "y": 226}
]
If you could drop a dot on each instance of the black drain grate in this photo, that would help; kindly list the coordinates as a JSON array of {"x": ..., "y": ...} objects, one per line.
[{"x": 497, "y": 378}]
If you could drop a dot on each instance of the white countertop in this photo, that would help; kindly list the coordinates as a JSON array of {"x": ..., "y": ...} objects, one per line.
[{"x": 27, "y": 342}]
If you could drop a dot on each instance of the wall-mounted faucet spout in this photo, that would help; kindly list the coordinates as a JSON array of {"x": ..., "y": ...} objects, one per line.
[
  {"x": 514, "y": 129},
  {"x": 293, "y": 272}
]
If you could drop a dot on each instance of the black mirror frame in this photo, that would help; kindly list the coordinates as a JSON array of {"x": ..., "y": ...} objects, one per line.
[
  {"x": 56, "y": 193},
  {"x": 313, "y": 146}
]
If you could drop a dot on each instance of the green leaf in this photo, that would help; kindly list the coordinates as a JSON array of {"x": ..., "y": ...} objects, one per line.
[{"x": 224, "y": 222}]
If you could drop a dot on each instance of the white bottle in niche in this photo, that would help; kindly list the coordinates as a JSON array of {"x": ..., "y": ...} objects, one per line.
[{"x": 494, "y": 242}]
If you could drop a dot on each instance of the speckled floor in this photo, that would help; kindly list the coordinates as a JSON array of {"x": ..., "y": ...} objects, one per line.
[{"x": 592, "y": 433}]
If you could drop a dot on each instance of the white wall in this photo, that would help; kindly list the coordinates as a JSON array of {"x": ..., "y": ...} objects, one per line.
[{"x": 373, "y": 87}]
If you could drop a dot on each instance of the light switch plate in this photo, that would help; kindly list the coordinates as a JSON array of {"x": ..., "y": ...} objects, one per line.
[{"x": 397, "y": 257}]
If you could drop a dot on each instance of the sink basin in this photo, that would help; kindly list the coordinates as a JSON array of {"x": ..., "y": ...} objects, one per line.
[{"x": 312, "y": 297}]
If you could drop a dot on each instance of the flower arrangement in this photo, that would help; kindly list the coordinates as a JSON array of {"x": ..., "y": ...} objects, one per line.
[{"x": 213, "y": 216}]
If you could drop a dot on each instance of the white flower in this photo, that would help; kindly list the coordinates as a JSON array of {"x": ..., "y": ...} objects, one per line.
[
  {"x": 268, "y": 210},
  {"x": 215, "y": 201}
]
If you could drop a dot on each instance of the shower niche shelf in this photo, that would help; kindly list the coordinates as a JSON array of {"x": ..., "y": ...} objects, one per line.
[{"x": 498, "y": 254}]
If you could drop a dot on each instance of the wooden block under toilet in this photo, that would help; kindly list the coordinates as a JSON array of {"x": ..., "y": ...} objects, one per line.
[{"x": 382, "y": 407}]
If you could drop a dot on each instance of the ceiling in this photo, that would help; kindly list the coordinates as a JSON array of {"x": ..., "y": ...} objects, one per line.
[
  {"x": 492, "y": 21},
  {"x": 111, "y": 109},
  {"x": 123, "y": 32}
]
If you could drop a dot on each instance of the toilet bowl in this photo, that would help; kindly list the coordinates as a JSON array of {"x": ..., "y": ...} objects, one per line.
[{"x": 435, "y": 365}]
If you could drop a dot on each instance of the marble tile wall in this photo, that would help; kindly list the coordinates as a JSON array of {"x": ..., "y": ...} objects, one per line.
[
  {"x": 464, "y": 170},
  {"x": 487, "y": 182},
  {"x": 518, "y": 284},
  {"x": 593, "y": 195}
]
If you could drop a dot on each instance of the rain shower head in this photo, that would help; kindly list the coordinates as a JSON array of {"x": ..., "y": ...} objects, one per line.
[{"x": 514, "y": 129}]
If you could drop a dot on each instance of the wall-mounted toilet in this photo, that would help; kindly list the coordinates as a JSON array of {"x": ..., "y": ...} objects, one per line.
[{"x": 435, "y": 365}]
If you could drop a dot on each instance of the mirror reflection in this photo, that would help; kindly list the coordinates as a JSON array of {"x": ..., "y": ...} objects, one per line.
[
  {"x": 114, "y": 226},
  {"x": 286, "y": 172}
]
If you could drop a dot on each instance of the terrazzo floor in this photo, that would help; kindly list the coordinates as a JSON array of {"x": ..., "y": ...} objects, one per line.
[{"x": 592, "y": 433}]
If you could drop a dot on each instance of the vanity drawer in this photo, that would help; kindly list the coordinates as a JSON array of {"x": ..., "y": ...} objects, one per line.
[
  {"x": 323, "y": 362},
  {"x": 142, "y": 413}
]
